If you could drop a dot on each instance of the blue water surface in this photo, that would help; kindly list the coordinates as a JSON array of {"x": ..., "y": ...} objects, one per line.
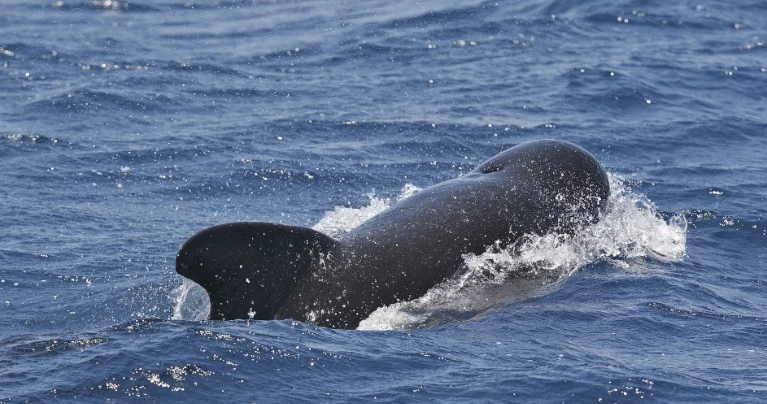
[{"x": 126, "y": 127}]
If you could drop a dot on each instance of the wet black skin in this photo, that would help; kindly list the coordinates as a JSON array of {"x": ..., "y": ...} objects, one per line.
[{"x": 269, "y": 271}]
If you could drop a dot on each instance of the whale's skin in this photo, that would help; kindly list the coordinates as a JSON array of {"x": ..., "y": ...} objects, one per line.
[{"x": 271, "y": 271}]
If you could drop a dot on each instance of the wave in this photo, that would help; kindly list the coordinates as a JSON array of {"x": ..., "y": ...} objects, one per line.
[
  {"x": 103, "y": 5},
  {"x": 96, "y": 102}
]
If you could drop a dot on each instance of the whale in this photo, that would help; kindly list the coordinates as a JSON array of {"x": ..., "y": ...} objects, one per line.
[{"x": 266, "y": 271}]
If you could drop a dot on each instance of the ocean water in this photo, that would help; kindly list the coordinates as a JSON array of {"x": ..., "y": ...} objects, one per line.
[{"x": 126, "y": 127}]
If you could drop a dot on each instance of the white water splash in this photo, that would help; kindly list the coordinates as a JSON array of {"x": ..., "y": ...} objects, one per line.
[
  {"x": 630, "y": 229},
  {"x": 342, "y": 219},
  {"x": 190, "y": 302}
]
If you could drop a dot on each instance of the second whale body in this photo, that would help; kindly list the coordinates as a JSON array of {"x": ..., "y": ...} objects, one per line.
[{"x": 271, "y": 271}]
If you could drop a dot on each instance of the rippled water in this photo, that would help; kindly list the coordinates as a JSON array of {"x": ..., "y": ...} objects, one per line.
[{"x": 125, "y": 127}]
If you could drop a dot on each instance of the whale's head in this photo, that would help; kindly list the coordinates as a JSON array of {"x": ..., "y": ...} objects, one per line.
[{"x": 558, "y": 177}]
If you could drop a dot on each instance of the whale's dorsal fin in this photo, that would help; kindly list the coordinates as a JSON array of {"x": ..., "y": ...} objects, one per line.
[{"x": 250, "y": 269}]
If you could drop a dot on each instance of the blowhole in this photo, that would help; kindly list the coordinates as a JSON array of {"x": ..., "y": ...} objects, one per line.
[{"x": 491, "y": 168}]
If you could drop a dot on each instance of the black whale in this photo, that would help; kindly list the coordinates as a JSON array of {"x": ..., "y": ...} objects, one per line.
[{"x": 271, "y": 271}]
